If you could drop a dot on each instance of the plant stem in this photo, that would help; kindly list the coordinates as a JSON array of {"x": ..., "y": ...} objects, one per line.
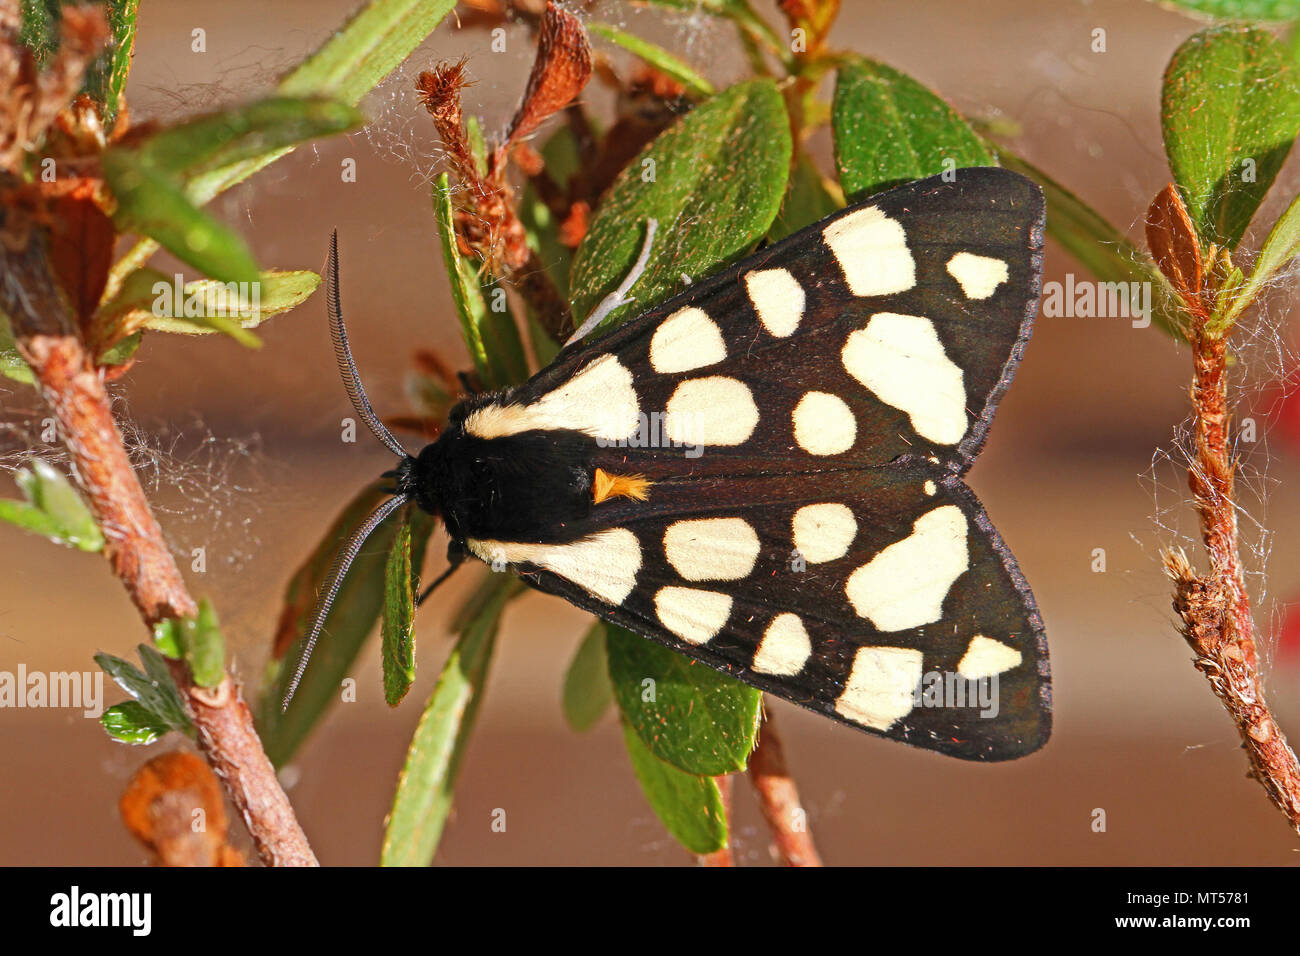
[
  {"x": 1215, "y": 608},
  {"x": 74, "y": 391},
  {"x": 778, "y": 798}
]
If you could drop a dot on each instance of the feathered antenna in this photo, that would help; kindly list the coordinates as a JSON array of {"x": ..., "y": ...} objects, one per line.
[
  {"x": 347, "y": 367},
  {"x": 357, "y": 393}
]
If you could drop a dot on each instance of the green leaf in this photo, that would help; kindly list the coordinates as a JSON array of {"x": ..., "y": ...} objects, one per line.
[
  {"x": 151, "y": 203},
  {"x": 350, "y": 621},
  {"x": 243, "y": 132},
  {"x": 587, "y": 690},
  {"x": 1243, "y": 9},
  {"x": 426, "y": 786},
  {"x": 106, "y": 80},
  {"x": 686, "y": 713},
  {"x": 1100, "y": 247},
  {"x": 12, "y": 365},
  {"x": 213, "y": 304},
  {"x": 714, "y": 182},
  {"x": 1281, "y": 246},
  {"x": 133, "y": 723},
  {"x": 40, "y": 28},
  {"x": 52, "y": 509},
  {"x": 689, "y": 806},
  {"x": 889, "y": 129},
  {"x": 374, "y": 41},
  {"x": 400, "y": 587},
  {"x": 491, "y": 336},
  {"x": 656, "y": 56},
  {"x": 154, "y": 689},
  {"x": 1230, "y": 110},
  {"x": 808, "y": 199},
  {"x": 167, "y": 637},
  {"x": 204, "y": 646}
]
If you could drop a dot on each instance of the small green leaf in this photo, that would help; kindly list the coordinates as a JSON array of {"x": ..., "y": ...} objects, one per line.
[
  {"x": 1230, "y": 110},
  {"x": 350, "y": 621},
  {"x": 12, "y": 364},
  {"x": 155, "y": 690},
  {"x": 167, "y": 637},
  {"x": 243, "y": 132},
  {"x": 1243, "y": 9},
  {"x": 426, "y": 786},
  {"x": 713, "y": 181},
  {"x": 52, "y": 509},
  {"x": 1100, "y": 247},
  {"x": 106, "y": 80},
  {"x": 219, "y": 308},
  {"x": 133, "y": 723},
  {"x": 587, "y": 690},
  {"x": 890, "y": 129},
  {"x": 687, "y": 714},
  {"x": 689, "y": 806},
  {"x": 656, "y": 56},
  {"x": 397, "y": 629},
  {"x": 490, "y": 335},
  {"x": 204, "y": 646},
  {"x": 1281, "y": 246},
  {"x": 151, "y": 203},
  {"x": 375, "y": 41}
]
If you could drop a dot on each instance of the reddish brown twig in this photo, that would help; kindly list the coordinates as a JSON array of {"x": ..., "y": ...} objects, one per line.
[
  {"x": 1215, "y": 608},
  {"x": 778, "y": 798},
  {"x": 135, "y": 548}
]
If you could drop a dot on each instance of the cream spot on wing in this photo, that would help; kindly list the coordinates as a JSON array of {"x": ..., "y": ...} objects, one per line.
[
  {"x": 900, "y": 358},
  {"x": 685, "y": 340},
  {"x": 824, "y": 532},
  {"x": 604, "y": 564},
  {"x": 717, "y": 410},
  {"x": 785, "y": 647},
  {"x": 930, "y": 488},
  {"x": 978, "y": 276},
  {"x": 824, "y": 424},
  {"x": 693, "y": 615},
  {"x": 778, "y": 299},
  {"x": 905, "y": 584},
  {"x": 986, "y": 657},
  {"x": 599, "y": 400},
  {"x": 881, "y": 685},
  {"x": 711, "y": 549},
  {"x": 872, "y": 250}
]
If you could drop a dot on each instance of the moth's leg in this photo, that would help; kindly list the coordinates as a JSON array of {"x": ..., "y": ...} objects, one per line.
[
  {"x": 619, "y": 296},
  {"x": 455, "y": 557}
]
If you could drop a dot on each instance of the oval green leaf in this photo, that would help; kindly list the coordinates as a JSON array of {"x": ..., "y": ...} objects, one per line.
[
  {"x": 53, "y": 508},
  {"x": 713, "y": 181},
  {"x": 689, "y": 806},
  {"x": 133, "y": 723},
  {"x": 587, "y": 691},
  {"x": 687, "y": 714},
  {"x": 889, "y": 129},
  {"x": 427, "y": 784},
  {"x": 1230, "y": 110}
]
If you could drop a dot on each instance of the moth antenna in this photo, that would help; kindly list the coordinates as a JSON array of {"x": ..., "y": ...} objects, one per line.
[
  {"x": 333, "y": 580},
  {"x": 343, "y": 353}
]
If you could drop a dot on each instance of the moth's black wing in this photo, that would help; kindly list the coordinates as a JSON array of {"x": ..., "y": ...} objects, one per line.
[
  {"x": 941, "y": 598},
  {"x": 911, "y": 307}
]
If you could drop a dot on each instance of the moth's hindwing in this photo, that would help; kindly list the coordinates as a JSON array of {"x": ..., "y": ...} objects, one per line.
[{"x": 801, "y": 420}]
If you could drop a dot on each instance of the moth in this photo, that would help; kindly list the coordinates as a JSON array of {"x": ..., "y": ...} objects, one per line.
[{"x": 764, "y": 472}]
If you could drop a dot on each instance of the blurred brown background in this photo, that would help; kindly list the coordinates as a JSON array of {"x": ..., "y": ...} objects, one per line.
[{"x": 248, "y": 465}]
